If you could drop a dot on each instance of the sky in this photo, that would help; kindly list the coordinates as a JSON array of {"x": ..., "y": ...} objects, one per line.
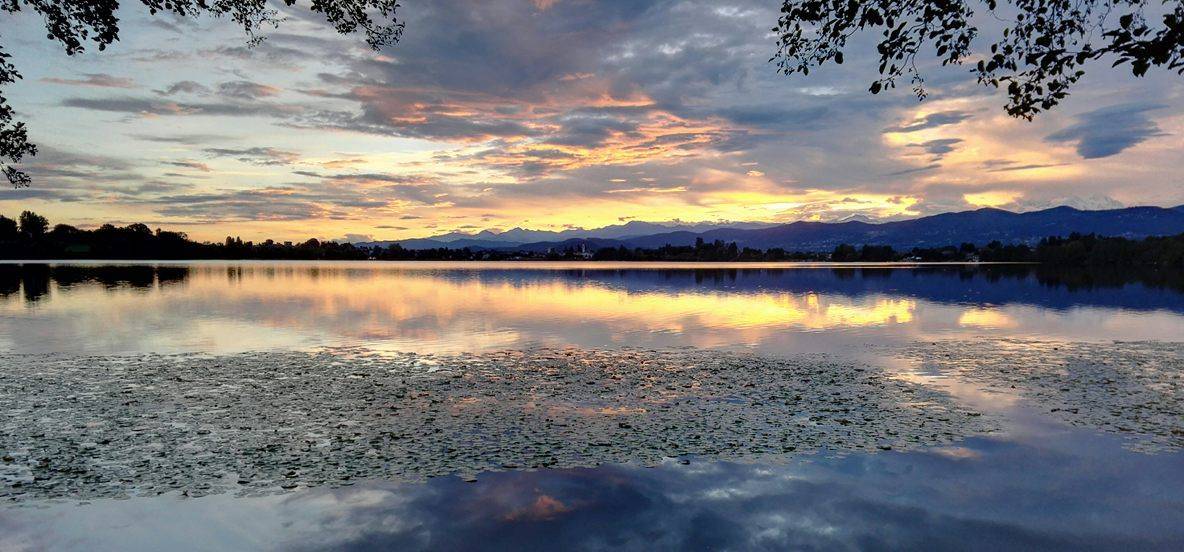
[{"x": 547, "y": 114}]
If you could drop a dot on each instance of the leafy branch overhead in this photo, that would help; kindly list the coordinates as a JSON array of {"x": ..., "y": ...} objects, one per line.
[
  {"x": 1041, "y": 53},
  {"x": 77, "y": 24}
]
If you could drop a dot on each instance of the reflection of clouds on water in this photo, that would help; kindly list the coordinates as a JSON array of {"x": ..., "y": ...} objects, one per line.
[
  {"x": 1133, "y": 389},
  {"x": 212, "y": 307},
  {"x": 1000, "y": 497},
  {"x": 996, "y": 498}
]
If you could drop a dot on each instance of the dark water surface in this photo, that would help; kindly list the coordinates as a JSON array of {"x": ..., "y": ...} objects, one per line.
[{"x": 1042, "y": 478}]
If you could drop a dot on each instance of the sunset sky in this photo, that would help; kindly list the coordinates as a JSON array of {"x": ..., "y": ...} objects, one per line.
[{"x": 547, "y": 114}]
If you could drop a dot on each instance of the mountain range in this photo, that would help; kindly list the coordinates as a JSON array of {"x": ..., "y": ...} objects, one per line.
[{"x": 978, "y": 226}]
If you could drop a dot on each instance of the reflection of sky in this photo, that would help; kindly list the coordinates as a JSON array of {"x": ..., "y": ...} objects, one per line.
[
  {"x": 1036, "y": 484},
  {"x": 1061, "y": 490},
  {"x": 219, "y": 307}
]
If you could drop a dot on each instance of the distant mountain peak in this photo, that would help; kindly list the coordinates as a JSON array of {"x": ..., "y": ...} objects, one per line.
[{"x": 978, "y": 226}]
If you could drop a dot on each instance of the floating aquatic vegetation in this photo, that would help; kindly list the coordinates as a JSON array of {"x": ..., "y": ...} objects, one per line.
[
  {"x": 92, "y": 427},
  {"x": 1135, "y": 389}
]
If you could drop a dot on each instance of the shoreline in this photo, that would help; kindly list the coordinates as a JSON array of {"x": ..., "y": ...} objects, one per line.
[{"x": 801, "y": 264}]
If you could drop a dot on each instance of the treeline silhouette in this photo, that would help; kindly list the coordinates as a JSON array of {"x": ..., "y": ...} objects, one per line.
[
  {"x": 30, "y": 237},
  {"x": 1075, "y": 250}
]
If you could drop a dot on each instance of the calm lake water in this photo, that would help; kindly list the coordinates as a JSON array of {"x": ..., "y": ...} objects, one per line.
[{"x": 1038, "y": 478}]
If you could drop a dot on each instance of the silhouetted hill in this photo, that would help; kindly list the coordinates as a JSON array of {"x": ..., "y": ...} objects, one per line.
[
  {"x": 980, "y": 226},
  {"x": 429, "y": 243},
  {"x": 515, "y": 237}
]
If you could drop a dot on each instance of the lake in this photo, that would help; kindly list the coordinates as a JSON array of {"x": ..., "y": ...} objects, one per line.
[{"x": 341, "y": 405}]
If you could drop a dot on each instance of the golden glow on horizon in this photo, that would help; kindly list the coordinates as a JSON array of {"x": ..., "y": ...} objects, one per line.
[
  {"x": 633, "y": 200},
  {"x": 992, "y": 199}
]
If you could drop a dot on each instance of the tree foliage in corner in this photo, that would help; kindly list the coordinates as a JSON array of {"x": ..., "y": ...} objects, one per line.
[
  {"x": 1044, "y": 47},
  {"x": 79, "y": 23}
]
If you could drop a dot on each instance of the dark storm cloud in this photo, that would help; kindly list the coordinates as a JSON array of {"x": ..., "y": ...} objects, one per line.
[{"x": 1110, "y": 130}]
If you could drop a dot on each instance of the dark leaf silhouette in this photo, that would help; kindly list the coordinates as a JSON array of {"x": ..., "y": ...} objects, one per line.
[{"x": 1044, "y": 47}]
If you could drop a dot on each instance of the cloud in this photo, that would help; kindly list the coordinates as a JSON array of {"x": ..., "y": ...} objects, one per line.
[
  {"x": 196, "y": 165},
  {"x": 932, "y": 120},
  {"x": 53, "y": 165},
  {"x": 344, "y": 196},
  {"x": 246, "y": 90},
  {"x": 98, "y": 80},
  {"x": 1091, "y": 202},
  {"x": 1011, "y": 166},
  {"x": 767, "y": 116},
  {"x": 915, "y": 170},
  {"x": 71, "y": 177},
  {"x": 256, "y": 155},
  {"x": 184, "y": 139},
  {"x": 650, "y": 190},
  {"x": 153, "y": 107},
  {"x": 938, "y": 148},
  {"x": 1110, "y": 130},
  {"x": 273, "y": 203},
  {"x": 352, "y": 238},
  {"x": 184, "y": 87}
]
